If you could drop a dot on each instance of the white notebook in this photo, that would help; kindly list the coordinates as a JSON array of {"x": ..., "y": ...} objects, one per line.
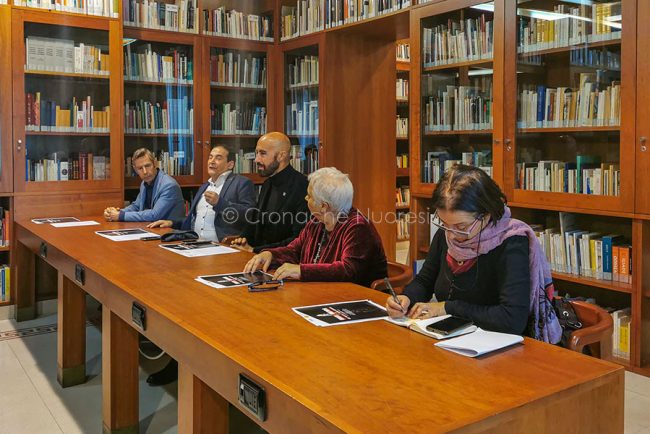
[{"x": 480, "y": 342}]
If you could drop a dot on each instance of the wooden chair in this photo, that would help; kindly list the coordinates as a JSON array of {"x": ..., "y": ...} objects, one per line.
[
  {"x": 399, "y": 275},
  {"x": 596, "y": 331}
]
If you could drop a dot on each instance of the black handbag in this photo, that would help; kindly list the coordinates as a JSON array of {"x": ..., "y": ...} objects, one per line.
[{"x": 568, "y": 319}]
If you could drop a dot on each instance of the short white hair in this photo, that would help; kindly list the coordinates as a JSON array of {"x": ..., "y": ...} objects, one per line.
[{"x": 330, "y": 185}]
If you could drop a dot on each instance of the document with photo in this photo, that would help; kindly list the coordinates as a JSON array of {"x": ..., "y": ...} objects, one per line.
[
  {"x": 346, "y": 312},
  {"x": 231, "y": 280},
  {"x": 195, "y": 249},
  {"x": 125, "y": 234},
  {"x": 50, "y": 220}
]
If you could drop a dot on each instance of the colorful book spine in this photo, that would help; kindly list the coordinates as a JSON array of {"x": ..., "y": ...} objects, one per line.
[
  {"x": 234, "y": 24},
  {"x": 180, "y": 16}
]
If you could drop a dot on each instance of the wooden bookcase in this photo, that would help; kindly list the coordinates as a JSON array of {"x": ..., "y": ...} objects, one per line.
[
  {"x": 57, "y": 139},
  {"x": 177, "y": 142},
  {"x": 250, "y": 96},
  {"x": 299, "y": 106}
]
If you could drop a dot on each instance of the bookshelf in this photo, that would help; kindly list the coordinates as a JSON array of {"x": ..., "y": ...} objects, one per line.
[
  {"x": 301, "y": 98},
  {"x": 402, "y": 182},
  {"x": 236, "y": 98},
  {"x": 301, "y": 18},
  {"x": 160, "y": 74},
  {"x": 544, "y": 62},
  {"x": 65, "y": 92},
  {"x": 233, "y": 19}
]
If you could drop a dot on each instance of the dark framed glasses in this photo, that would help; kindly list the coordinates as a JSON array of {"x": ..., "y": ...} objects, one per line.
[
  {"x": 465, "y": 233},
  {"x": 267, "y": 285}
]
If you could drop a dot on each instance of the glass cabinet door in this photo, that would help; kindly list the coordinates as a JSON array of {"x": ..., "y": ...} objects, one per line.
[
  {"x": 571, "y": 129},
  {"x": 238, "y": 102},
  {"x": 67, "y": 135},
  {"x": 159, "y": 103},
  {"x": 301, "y": 111},
  {"x": 456, "y": 122}
]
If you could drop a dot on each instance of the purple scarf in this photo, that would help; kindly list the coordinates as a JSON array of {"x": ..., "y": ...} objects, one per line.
[{"x": 543, "y": 323}]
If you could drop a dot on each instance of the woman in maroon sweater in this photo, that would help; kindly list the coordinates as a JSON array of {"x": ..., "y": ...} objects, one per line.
[{"x": 338, "y": 244}]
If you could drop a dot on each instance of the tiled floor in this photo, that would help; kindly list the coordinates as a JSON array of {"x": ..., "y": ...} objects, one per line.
[{"x": 31, "y": 401}]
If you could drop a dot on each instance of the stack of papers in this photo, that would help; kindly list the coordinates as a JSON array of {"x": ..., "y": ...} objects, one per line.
[{"x": 480, "y": 342}]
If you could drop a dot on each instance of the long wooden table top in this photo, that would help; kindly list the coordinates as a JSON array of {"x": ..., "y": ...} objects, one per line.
[{"x": 366, "y": 377}]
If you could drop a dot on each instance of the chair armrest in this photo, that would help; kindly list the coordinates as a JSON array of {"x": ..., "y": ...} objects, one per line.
[{"x": 591, "y": 334}]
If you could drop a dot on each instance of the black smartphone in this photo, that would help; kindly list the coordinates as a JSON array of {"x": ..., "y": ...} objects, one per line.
[
  {"x": 449, "y": 325},
  {"x": 151, "y": 238}
]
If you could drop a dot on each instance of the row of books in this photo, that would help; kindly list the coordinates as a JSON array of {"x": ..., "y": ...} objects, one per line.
[
  {"x": 64, "y": 55},
  {"x": 438, "y": 162},
  {"x": 402, "y": 228},
  {"x": 181, "y": 16},
  {"x": 587, "y": 176},
  {"x": 458, "y": 108},
  {"x": 621, "y": 333},
  {"x": 340, "y": 12},
  {"x": 80, "y": 116},
  {"x": 567, "y": 26},
  {"x": 233, "y": 24},
  {"x": 580, "y": 252},
  {"x": 595, "y": 58},
  {"x": 403, "y": 53},
  {"x": 304, "y": 159},
  {"x": 79, "y": 166},
  {"x": 458, "y": 41},
  {"x": 304, "y": 18},
  {"x": 402, "y": 89},
  {"x": 174, "y": 163},
  {"x": 241, "y": 119},
  {"x": 402, "y": 127},
  {"x": 245, "y": 162},
  {"x": 172, "y": 116},
  {"x": 5, "y": 282},
  {"x": 302, "y": 114},
  {"x": 542, "y": 107},
  {"x": 403, "y": 196},
  {"x": 303, "y": 71},
  {"x": 402, "y": 161},
  {"x": 236, "y": 69},
  {"x": 104, "y": 8},
  {"x": 146, "y": 64},
  {"x": 5, "y": 226}
]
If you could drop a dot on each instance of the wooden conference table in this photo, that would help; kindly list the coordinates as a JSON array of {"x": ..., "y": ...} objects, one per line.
[{"x": 371, "y": 377}]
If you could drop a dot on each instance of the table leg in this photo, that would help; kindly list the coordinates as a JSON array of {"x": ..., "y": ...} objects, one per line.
[
  {"x": 201, "y": 410},
  {"x": 71, "y": 333},
  {"x": 23, "y": 276},
  {"x": 119, "y": 375}
]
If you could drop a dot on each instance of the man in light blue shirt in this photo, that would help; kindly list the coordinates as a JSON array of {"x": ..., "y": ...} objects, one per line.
[{"x": 160, "y": 196}]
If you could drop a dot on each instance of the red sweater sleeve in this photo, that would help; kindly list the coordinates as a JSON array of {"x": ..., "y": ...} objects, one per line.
[
  {"x": 351, "y": 259},
  {"x": 292, "y": 251}
]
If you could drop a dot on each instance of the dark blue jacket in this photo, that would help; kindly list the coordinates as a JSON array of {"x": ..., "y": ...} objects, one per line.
[{"x": 237, "y": 196}]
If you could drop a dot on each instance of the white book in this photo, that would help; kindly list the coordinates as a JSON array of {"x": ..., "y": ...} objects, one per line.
[{"x": 480, "y": 342}]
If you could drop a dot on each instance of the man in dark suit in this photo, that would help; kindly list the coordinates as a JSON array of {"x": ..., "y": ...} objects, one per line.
[
  {"x": 218, "y": 210},
  {"x": 281, "y": 210},
  {"x": 219, "y": 207}
]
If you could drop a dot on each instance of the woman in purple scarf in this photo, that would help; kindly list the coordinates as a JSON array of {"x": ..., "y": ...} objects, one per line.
[{"x": 482, "y": 265}]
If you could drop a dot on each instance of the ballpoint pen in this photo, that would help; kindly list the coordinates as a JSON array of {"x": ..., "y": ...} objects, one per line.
[{"x": 392, "y": 293}]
